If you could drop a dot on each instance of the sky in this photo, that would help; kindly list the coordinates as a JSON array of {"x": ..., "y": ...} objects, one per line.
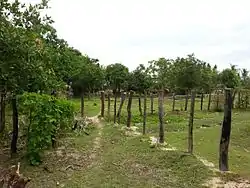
[{"x": 133, "y": 32}]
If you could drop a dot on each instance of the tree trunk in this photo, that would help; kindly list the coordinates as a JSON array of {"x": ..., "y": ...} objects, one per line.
[
  {"x": 140, "y": 108},
  {"x": 115, "y": 107},
  {"x": 152, "y": 104},
  {"x": 225, "y": 132},
  {"x": 202, "y": 98},
  {"x": 102, "y": 103},
  {"x": 82, "y": 104},
  {"x": 209, "y": 101},
  {"x": 15, "y": 126},
  {"x": 186, "y": 101},
  {"x": 123, "y": 97},
  {"x": 2, "y": 112},
  {"x": 108, "y": 106},
  {"x": 173, "y": 105},
  {"x": 161, "y": 115},
  {"x": 129, "y": 109},
  {"x": 191, "y": 123},
  {"x": 145, "y": 113}
]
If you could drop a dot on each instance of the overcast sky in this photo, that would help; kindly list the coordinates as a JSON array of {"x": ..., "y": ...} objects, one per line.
[{"x": 136, "y": 31}]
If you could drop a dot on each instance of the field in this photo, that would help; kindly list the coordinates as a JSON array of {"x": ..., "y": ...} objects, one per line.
[{"x": 108, "y": 158}]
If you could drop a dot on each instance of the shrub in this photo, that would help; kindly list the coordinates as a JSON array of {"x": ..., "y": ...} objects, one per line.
[{"x": 47, "y": 116}]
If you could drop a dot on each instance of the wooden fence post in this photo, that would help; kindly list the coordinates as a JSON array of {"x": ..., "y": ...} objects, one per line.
[
  {"x": 140, "y": 108},
  {"x": 225, "y": 131},
  {"x": 129, "y": 108},
  {"x": 115, "y": 106},
  {"x": 209, "y": 101},
  {"x": 108, "y": 106},
  {"x": 145, "y": 112},
  {"x": 152, "y": 103},
  {"x": 123, "y": 97},
  {"x": 161, "y": 115},
  {"x": 202, "y": 97},
  {"x": 82, "y": 104},
  {"x": 173, "y": 105},
  {"x": 191, "y": 123},
  {"x": 186, "y": 101},
  {"x": 102, "y": 103}
]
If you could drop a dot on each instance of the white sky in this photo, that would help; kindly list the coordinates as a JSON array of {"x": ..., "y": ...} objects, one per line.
[{"x": 136, "y": 31}]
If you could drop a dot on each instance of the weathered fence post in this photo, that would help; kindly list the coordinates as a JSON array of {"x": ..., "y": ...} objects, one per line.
[
  {"x": 186, "y": 101},
  {"x": 108, "y": 106},
  {"x": 115, "y": 106},
  {"x": 102, "y": 103},
  {"x": 161, "y": 115},
  {"x": 225, "y": 131},
  {"x": 145, "y": 112},
  {"x": 123, "y": 97},
  {"x": 191, "y": 123},
  {"x": 209, "y": 101},
  {"x": 152, "y": 103},
  {"x": 202, "y": 97},
  {"x": 82, "y": 104},
  {"x": 173, "y": 105},
  {"x": 140, "y": 108},
  {"x": 129, "y": 108}
]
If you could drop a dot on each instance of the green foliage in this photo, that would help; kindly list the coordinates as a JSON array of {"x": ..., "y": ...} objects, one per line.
[
  {"x": 230, "y": 78},
  {"x": 47, "y": 116},
  {"x": 139, "y": 80},
  {"x": 89, "y": 75},
  {"x": 116, "y": 76}
]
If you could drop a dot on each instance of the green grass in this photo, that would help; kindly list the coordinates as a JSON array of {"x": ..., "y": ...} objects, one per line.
[
  {"x": 129, "y": 161},
  {"x": 206, "y": 140}
]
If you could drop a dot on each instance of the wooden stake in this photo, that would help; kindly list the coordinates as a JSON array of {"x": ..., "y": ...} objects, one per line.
[
  {"x": 161, "y": 116},
  {"x": 191, "y": 123},
  {"x": 145, "y": 112},
  {"x": 129, "y": 109},
  {"x": 225, "y": 131},
  {"x": 123, "y": 97},
  {"x": 102, "y": 103}
]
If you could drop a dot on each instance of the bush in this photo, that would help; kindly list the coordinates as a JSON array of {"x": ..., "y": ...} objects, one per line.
[{"x": 47, "y": 116}]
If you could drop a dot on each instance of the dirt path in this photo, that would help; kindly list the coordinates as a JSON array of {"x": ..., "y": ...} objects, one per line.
[{"x": 97, "y": 141}]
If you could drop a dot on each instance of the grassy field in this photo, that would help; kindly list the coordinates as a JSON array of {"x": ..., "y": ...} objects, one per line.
[{"x": 115, "y": 160}]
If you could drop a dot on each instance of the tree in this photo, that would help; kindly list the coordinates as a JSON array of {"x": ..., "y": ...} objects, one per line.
[
  {"x": 187, "y": 73},
  {"x": 139, "y": 81},
  {"x": 161, "y": 72},
  {"x": 245, "y": 79},
  {"x": 116, "y": 76},
  {"x": 26, "y": 61},
  {"x": 230, "y": 78}
]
